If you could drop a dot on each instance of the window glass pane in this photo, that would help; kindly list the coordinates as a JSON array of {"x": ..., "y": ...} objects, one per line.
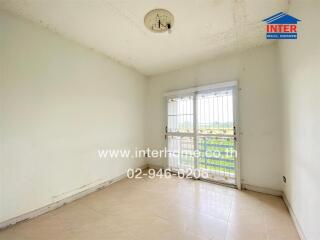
[
  {"x": 181, "y": 152},
  {"x": 215, "y": 113},
  {"x": 180, "y": 115}
]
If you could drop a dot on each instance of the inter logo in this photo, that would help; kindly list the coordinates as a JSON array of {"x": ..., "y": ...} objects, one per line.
[{"x": 281, "y": 26}]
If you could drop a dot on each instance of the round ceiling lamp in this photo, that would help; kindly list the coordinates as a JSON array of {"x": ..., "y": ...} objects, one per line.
[{"x": 159, "y": 20}]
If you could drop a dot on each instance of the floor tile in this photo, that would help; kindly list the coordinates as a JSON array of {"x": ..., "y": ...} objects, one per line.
[{"x": 162, "y": 209}]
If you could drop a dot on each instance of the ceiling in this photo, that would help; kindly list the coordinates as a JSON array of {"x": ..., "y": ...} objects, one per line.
[{"x": 202, "y": 30}]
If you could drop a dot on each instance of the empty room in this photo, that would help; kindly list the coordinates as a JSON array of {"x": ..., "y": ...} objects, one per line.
[{"x": 159, "y": 119}]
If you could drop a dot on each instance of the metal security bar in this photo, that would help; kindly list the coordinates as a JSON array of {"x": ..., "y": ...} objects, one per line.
[
  {"x": 180, "y": 152},
  {"x": 216, "y": 136},
  {"x": 217, "y": 158},
  {"x": 180, "y": 132},
  {"x": 201, "y": 133},
  {"x": 180, "y": 115},
  {"x": 215, "y": 113}
]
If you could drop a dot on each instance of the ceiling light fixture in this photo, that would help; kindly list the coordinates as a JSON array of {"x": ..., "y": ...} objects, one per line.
[{"x": 159, "y": 20}]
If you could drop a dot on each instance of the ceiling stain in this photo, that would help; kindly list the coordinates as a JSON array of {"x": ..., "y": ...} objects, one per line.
[{"x": 203, "y": 29}]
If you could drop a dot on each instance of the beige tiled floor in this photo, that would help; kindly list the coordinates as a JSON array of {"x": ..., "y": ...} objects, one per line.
[{"x": 162, "y": 209}]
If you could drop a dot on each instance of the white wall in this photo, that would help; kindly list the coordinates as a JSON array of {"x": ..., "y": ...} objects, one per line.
[
  {"x": 300, "y": 63},
  {"x": 60, "y": 103},
  {"x": 1, "y": 114},
  {"x": 257, "y": 73}
]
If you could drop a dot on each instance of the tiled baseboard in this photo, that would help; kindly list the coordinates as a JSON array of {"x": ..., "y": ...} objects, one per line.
[
  {"x": 57, "y": 204},
  {"x": 294, "y": 218},
  {"x": 269, "y": 191}
]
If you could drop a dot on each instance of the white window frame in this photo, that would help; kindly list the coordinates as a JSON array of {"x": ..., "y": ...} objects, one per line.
[{"x": 201, "y": 89}]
